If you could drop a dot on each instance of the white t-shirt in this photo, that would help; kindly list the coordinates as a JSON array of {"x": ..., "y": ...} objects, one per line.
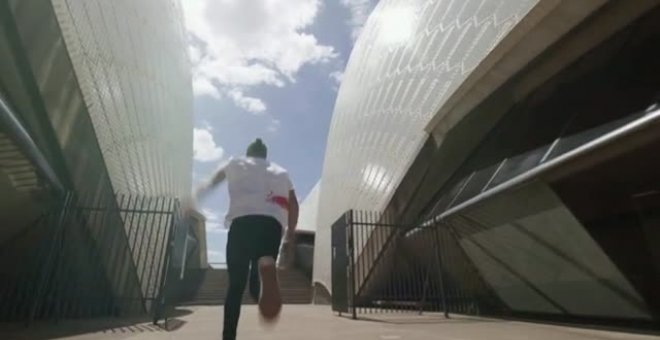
[{"x": 257, "y": 187}]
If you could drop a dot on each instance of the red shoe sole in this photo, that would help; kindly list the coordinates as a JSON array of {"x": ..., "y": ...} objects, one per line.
[{"x": 270, "y": 301}]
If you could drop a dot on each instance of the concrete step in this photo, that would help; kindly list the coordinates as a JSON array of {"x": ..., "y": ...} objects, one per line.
[{"x": 295, "y": 288}]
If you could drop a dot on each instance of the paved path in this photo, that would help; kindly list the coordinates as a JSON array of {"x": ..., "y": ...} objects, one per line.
[{"x": 306, "y": 322}]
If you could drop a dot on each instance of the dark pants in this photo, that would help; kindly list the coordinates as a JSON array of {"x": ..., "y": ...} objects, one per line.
[{"x": 250, "y": 237}]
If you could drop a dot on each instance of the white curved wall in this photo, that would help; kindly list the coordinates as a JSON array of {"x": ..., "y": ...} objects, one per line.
[
  {"x": 410, "y": 57},
  {"x": 132, "y": 67},
  {"x": 309, "y": 210}
]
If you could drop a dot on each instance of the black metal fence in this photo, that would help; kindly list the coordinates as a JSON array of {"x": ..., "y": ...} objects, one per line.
[
  {"x": 380, "y": 265},
  {"x": 90, "y": 256}
]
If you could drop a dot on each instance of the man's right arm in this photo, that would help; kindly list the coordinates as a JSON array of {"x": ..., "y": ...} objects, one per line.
[{"x": 206, "y": 187}]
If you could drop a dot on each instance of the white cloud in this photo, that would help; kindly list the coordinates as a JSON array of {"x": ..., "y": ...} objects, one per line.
[
  {"x": 238, "y": 44},
  {"x": 215, "y": 256},
  {"x": 204, "y": 147},
  {"x": 274, "y": 125},
  {"x": 360, "y": 10},
  {"x": 203, "y": 86},
  {"x": 250, "y": 104},
  {"x": 214, "y": 222},
  {"x": 336, "y": 76}
]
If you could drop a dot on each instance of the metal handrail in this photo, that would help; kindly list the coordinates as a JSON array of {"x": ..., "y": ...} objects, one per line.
[
  {"x": 651, "y": 117},
  {"x": 22, "y": 138}
]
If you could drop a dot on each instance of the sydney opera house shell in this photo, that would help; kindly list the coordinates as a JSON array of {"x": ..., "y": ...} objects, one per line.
[{"x": 530, "y": 128}]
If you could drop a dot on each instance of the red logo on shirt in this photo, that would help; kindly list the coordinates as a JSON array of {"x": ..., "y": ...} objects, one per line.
[{"x": 281, "y": 201}]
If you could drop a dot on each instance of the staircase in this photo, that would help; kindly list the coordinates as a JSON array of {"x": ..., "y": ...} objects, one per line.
[
  {"x": 294, "y": 286},
  {"x": 16, "y": 166}
]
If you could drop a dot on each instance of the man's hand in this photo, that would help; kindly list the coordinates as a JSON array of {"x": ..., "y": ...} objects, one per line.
[
  {"x": 289, "y": 236},
  {"x": 187, "y": 206}
]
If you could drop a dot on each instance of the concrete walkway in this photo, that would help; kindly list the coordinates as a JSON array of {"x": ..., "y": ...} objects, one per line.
[{"x": 306, "y": 322}]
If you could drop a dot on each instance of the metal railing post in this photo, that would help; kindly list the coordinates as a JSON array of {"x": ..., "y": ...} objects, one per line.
[
  {"x": 351, "y": 256},
  {"x": 438, "y": 260},
  {"x": 43, "y": 274},
  {"x": 162, "y": 294}
]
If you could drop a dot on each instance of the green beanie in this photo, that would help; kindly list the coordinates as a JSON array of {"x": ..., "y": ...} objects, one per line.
[{"x": 257, "y": 149}]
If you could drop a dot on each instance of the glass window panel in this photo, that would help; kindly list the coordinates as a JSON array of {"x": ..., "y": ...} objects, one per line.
[
  {"x": 476, "y": 184},
  {"x": 571, "y": 142},
  {"x": 448, "y": 197},
  {"x": 518, "y": 165}
]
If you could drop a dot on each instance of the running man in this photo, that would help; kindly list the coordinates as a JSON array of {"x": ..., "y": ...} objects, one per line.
[{"x": 261, "y": 202}]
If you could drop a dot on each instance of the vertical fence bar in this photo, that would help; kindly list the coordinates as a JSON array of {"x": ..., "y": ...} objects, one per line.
[
  {"x": 376, "y": 249},
  {"x": 370, "y": 254},
  {"x": 55, "y": 295},
  {"x": 136, "y": 234},
  {"x": 419, "y": 243},
  {"x": 43, "y": 275},
  {"x": 162, "y": 292},
  {"x": 83, "y": 215},
  {"x": 124, "y": 248},
  {"x": 382, "y": 262},
  {"x": 361, "y": 288},
  {"x": 79, "y": 295},
  {"x": 364, "y": 229},
  {"x": 391, "y": 257},
  {"x": 143, "y": 219},
  {"x": 121, "y": 233},
  {"x": 415, "y": 281},
  {"x": 396, "y": 274},
  {"x": 94, "y": 214},
  {"x": 379, "y": 250},
  {"x": 48, "y": 293},
  {"x": 351, "y": 250},
  {"x": 392, "y": 277},
  {"x": 129, "y": 224},
  {"x": 165, "y": 227},
  {"x": 29, "y": 283},
  {"x": 104, "y": 227},
  {"x": 397, "y": 262},
  {"x": 359, "y": 251},
  {"x": 151, "y": 218},
  {"x": 105, "y": 247},
  {"x": 438, "y": 259},
  {"x": 169, "y": 221},
  {"x": 422, "y": 259},
  {"x": 143, "y": 233},
  {"x": 154, "y": 258},
  {"x": 132, "y": 226},
  {"x": 118, "y": 234},
  {"x": 65, "y": 253},
  {"x": 404, "y": 285},
  {"x": 74, "y": 295},
  {"x": 377, "y": 291},
  {"x": 388, "y": 282},
  {"x": 378, "y": 244},
  {"x": 400, "y": 261},
  {"x": 356, "y": 226}
]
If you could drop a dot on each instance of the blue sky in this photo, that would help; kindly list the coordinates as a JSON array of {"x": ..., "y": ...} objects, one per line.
[{"x": 267, "y": 69}]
